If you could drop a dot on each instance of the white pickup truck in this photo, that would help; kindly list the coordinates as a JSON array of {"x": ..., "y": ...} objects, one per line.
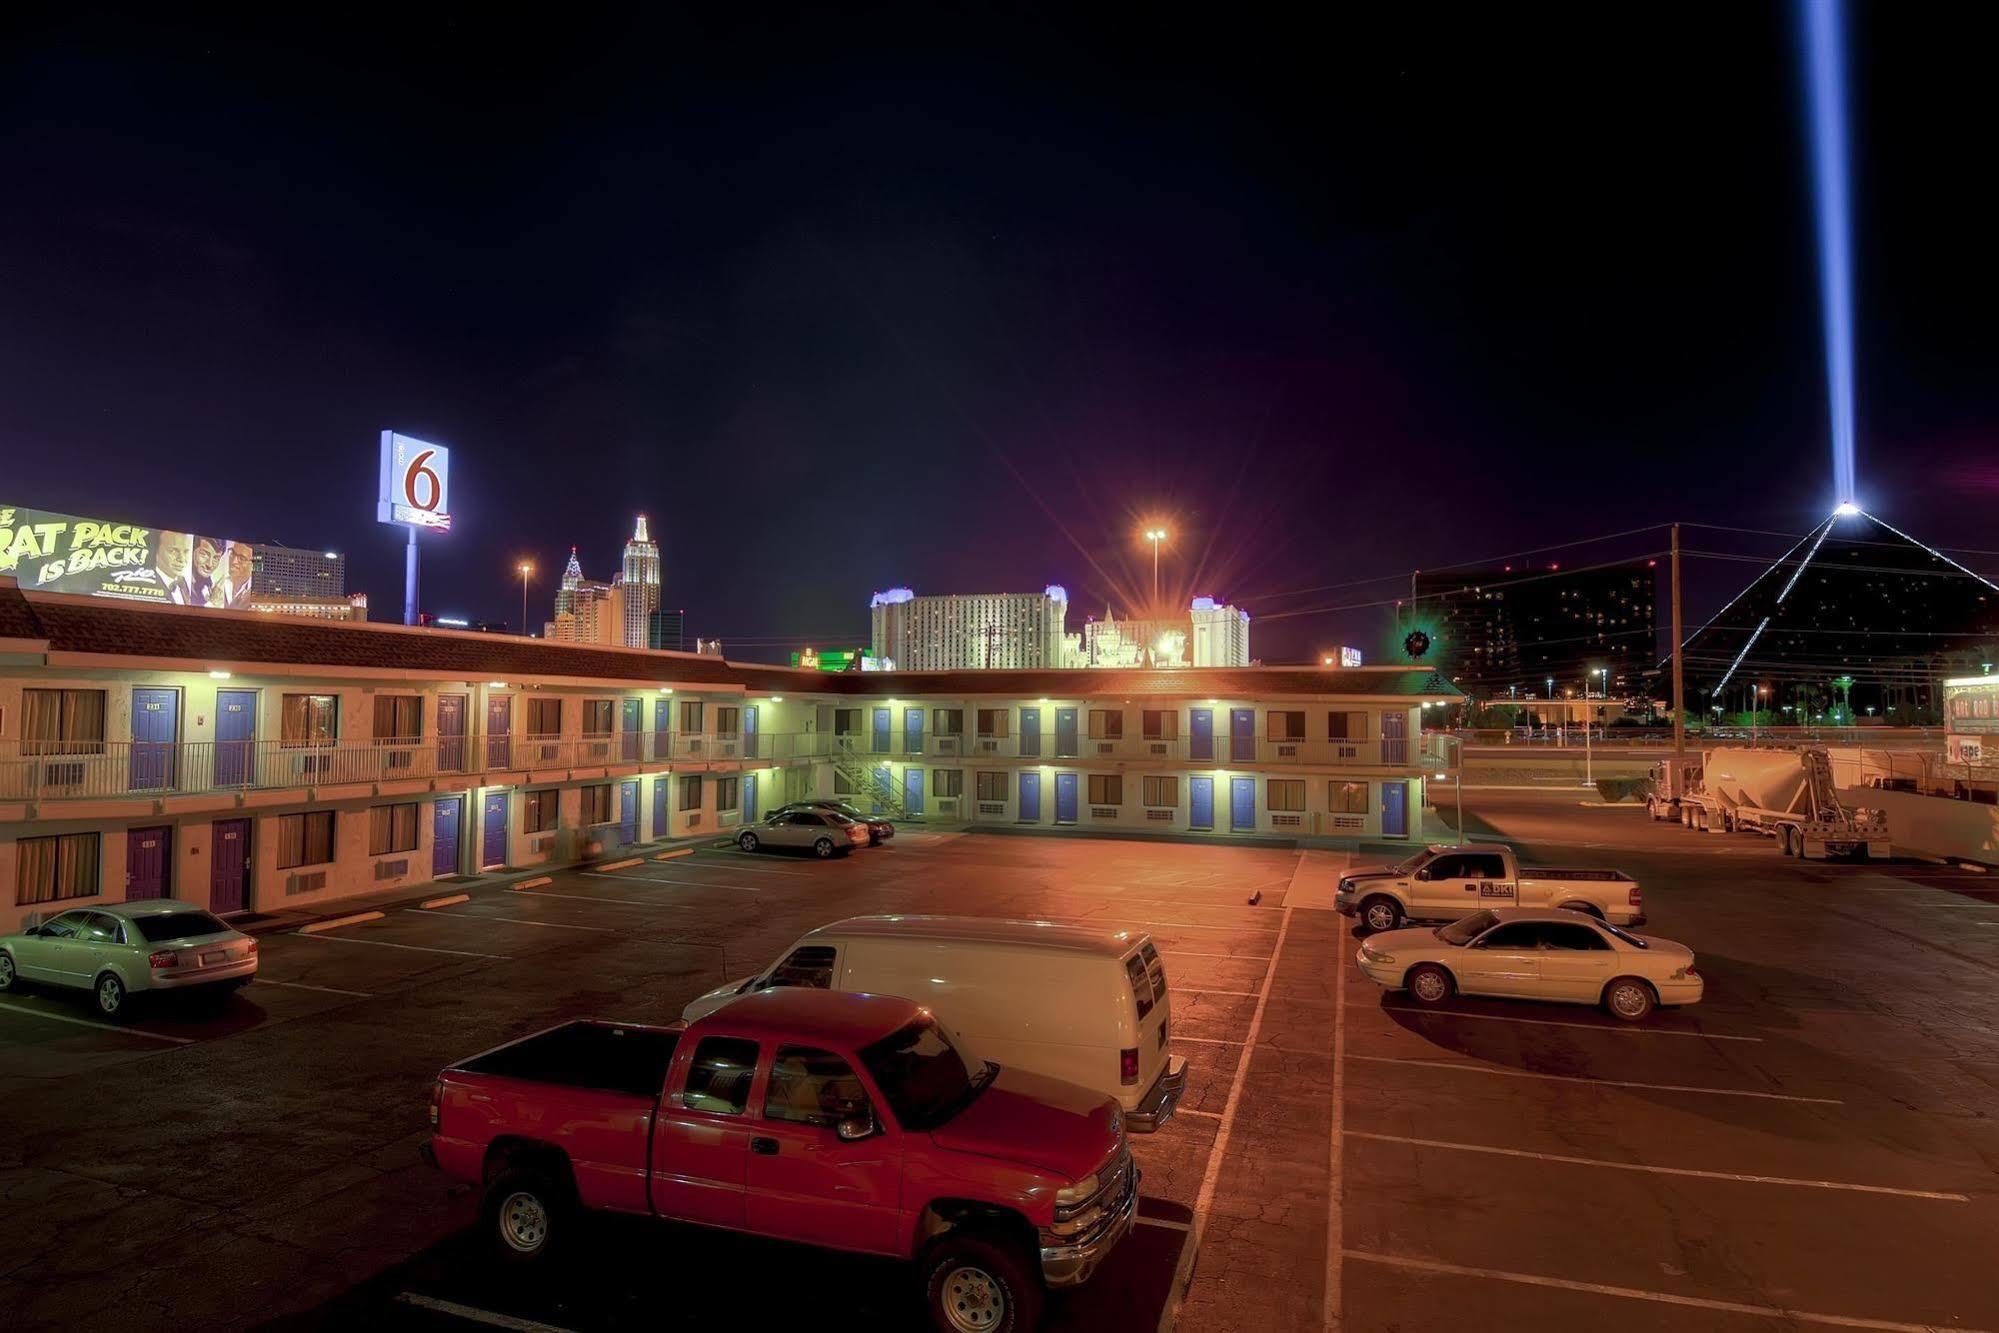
[{"x": 1444, "y": 883}]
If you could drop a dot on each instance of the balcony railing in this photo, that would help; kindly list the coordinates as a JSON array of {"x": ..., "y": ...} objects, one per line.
[{"x": 81, "y": 770}]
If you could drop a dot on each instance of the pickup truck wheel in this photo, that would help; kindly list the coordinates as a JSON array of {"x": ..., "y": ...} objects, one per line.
[
  {"x": 980, "y": 1284},
  {"x": 1629, "y": 998},
  {"x": 525, "y": 1212},
  {"x": 823, "y": 848},
  {"x": 748, "y": 841},
  {"x": 1430, "y": 984},
  {"x": 1379, "y": 914}
]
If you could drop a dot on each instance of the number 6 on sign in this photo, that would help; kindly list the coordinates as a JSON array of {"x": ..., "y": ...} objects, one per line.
[{"x": 416, "y": 483}]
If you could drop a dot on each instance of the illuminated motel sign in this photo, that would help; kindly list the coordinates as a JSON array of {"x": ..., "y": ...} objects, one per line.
[{"x": 416, "y": 483}]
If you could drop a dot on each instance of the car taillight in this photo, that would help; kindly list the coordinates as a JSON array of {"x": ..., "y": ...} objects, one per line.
[
  {"x": 252, "y": 949},
  {"x": 1636, "y": 897},
  {"x": 166, "y": 958},
  {"x": 436, "y": 1102},
  {"x": 1127, "y": 1065}
]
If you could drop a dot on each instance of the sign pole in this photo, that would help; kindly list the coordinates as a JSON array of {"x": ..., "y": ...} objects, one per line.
[{"x": 409, "y": 581}]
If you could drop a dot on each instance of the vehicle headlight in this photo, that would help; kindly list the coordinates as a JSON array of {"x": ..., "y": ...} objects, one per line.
[
  {"x": 1081, "y": 1192},
  {"x": 1376, "y": 955}
]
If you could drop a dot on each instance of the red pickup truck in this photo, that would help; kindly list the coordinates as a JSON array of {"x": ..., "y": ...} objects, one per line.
[{"x": 853, "y": 1122}]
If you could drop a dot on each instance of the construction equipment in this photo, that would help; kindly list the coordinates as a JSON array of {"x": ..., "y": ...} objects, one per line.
[{"x": 1785, "y": 794}]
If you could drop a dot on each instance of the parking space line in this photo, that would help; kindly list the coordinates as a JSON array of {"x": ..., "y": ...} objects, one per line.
[
  {"x": 1162, "y": 1222},
  {"x": 1332, "y": 1317},
  {"x": 1208, "y": 1041},
  {"x": 593, "y": 898},
  {"x": 87, "y": 1023},
  {"x": 473, "y": 1313},
  {"x": 1218, "y": 1151},
  {"x": 1640, "y": 1294},
  {"x": 1495, "y": 1151},
  {"x": 1205, "y": 1115},
  {"x": 418, "y": 948},
  {"x": 690, "y": 883},
  {"x": 519, "y": 921},
  {"x": 700, "y": 863},
  {"x": 1165, "y": 925},
  {"x": 330, "y": 990},
  {"x": 1239, "y": 957},
  {"x": 1203, "y": 990},
  {"x": 1628, "y": 1029},
  {"x": 1598, "y": 1082}
]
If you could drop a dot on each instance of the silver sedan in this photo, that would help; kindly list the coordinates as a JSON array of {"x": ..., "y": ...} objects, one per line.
[
  {"x": 823, "y": 831},
  {"x": 118, "y": 950}
]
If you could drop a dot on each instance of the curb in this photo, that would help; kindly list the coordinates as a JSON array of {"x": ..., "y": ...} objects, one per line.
[
  {"x": 532, "y": 883},
  {"x": 451, "y": 901},
  {"x": 627, "y": 864},
  {"x": 668, "y": 856},
  {"x": 314, "y": 927}
]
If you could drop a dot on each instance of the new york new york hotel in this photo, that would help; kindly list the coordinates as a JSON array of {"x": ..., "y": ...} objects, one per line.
[{"x": 253, "y": 763}]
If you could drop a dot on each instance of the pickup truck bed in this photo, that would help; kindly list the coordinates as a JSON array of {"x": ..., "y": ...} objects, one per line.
[
  {"x": 1556, "y": 872},
  {"x": 615, "y": 1057}
]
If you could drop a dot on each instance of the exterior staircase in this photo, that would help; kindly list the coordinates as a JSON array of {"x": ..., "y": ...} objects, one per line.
[{"x": 870, "y": 781}]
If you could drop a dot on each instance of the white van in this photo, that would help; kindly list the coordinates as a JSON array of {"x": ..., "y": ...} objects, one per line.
[{"x": 1086, "y": 1006}]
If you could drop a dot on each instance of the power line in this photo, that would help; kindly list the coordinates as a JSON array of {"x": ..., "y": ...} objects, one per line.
[{"x": 1463, "y": 564}]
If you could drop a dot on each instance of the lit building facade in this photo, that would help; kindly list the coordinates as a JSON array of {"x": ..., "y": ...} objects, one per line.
[
  {"x": 283, "y": 572},
  {"x": 639, "y": 580},
  {"x": 255, "y": 763},
  {"x": 1507, "y": 632},
  {"x": 1211, "y": 635},
  {"x": 667, "y": 630},
  {"x": 970, "y": 631},
  {"x": 351, "y": 607}
]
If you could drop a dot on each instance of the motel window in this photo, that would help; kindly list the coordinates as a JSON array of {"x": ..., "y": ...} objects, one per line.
[
  {"x": 1285, "y": 795},
  {"x": 993, "y": 721},
  {"x": 1161, "y": 724},
  {"x": 308, "y": 719},
  {"x": 690, "y": 715},
  {"x": 1162, "y": 791},
  {"x": 846, "y": 721},
  {"x": 728, "y": 721},
  {"x": 398, "y": 717},
  {"x": 947, "y": 782},
  {"x": 597, "y": 804},
  {"x": 992, "y": 786},
  {"x": 1347, "y": 798},
  {"x": 949, "y": 721},
  {"x": 1285, "y": 726},
  {"x": 544, "y": 717},
  {"x": 1106, "y": 789},
  {"x": 597, "y": 717},
  {"x": 1106, "y": 724},
  {"x": 391, "y": 828},
  {"x": 305, "y": 840},
  {"x": 539, "y": 810},
  {"x": 62, "y": 722},
  {"x": 690, "y": 792},
  {"x": 48, "y": 870},
  {"x": 1346, "y": 726},
  {"x": 727, "y": 793}
]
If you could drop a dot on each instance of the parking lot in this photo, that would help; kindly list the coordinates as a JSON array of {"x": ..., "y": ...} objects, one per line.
[{"x": 1814, "y": 1145}]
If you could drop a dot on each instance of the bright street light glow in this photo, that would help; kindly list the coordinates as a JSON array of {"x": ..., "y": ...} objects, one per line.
[{"x": 1846, "y": 509}]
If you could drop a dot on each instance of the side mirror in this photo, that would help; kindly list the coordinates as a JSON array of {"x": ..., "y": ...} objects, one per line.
[
  {"x": 855, "y": 1128},
  {"x": 33, "y": 931},
  {"x": 1423, "y": 875}
]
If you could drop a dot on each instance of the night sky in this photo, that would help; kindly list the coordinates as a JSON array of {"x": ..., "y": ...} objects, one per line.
[{"x": 962, "y": 300}]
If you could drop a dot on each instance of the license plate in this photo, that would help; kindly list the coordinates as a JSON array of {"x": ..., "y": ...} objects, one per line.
[{"x": 212, "y": 958}]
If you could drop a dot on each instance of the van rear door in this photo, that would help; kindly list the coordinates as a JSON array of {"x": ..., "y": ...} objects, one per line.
[{"x": 1145, "y": 975}]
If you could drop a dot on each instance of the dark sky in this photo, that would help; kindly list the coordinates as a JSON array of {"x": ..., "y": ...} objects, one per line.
[{"x": 960, "y": 300}]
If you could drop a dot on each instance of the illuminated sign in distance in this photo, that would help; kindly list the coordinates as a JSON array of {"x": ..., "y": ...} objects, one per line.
[{"x": 416, "y": 483}]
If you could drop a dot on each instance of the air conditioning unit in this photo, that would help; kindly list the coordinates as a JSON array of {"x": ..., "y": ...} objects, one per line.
[
  {"x": 309, "y": 882},
  {"x": 1164, "y": 816},
  {"x": 392, "y": 869},
  {"x": 694, "y": 820},
  {"x": 947, "y": 805},
  {"x": 542, "y": 846},
  {"x": 1106, "y": 747},
  {"x": 988, "y": 747},
  {"x": 1347, "y": 752},
  {"x": 1157, "y": 747},
  {"x": 1285, "y": 821},
  {"x": 1287, "y": 752},
  {"x": 1349, "y": 821},
  {"x": 992, "y": 807},
  {"x": 1103, "y": 812}
]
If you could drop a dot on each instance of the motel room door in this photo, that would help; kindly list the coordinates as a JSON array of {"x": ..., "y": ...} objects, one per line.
[
  {"x": 228, "y": 866},
  {"x": 149, "y": 854},
  {"x": 155, "y": 728},
  {"x": 493, "y": 851},
  {"x": 235, "y": 737},
  {"x": 1065, "y": 798},
  {"x": 628, "y": 812},
  {"x": 1200, "y": 803},
  {"x": 1394, "y": 809},
  {"x": 1030, "y": 798}
]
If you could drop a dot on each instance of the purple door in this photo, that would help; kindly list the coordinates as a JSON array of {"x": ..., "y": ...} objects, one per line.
[
  {"x": 662, "y": 729},
  {"x": 149, "y": 856},
  {"x": 494, "y": 851},
  {"x": 229, "y": 866},
  {"x": 235, "y": 737},
  {"x": 499, "y": 726},
  {"x": 629, "y": 726},
  {"x": 155, "y": 728},
  {"x": 628, "y": 813},
  {"x": 451, "y": 733},
  {"x": 444, "y": 842}
]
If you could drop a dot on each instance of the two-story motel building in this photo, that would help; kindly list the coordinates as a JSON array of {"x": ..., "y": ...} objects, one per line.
[{"x": 254, "y": 763}]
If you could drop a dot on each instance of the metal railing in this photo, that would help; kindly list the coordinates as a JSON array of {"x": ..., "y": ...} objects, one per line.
[{"x": 81, "y": 770}]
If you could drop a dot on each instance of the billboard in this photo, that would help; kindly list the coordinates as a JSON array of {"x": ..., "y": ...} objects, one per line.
[
  {"x": 416, "y": 483},
  {"x": 49, "y": 552}
]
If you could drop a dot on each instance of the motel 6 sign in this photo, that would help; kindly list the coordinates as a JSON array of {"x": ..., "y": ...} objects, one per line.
[{"x": 416, "y": 483}]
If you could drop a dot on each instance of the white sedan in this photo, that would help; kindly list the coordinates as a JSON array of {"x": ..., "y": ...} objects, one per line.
[{"x": 1529, "y": 955}]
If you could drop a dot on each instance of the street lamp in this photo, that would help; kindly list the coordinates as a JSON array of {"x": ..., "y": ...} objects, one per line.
[
  {"x": 526, "y": 567},
  {"x": 1155, "y": 536}
]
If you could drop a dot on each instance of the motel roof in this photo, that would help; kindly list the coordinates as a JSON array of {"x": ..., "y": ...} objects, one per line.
[{"x": 100, "y": 632}]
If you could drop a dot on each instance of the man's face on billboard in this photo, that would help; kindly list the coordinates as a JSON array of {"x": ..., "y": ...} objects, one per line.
[
  {"x": 239, "y": 563},
  {"x": 207, "y": 555},
  {"x": 171, "y": 557}
]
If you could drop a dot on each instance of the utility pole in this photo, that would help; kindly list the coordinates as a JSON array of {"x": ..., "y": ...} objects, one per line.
[{"x": 1679, "y": 679}]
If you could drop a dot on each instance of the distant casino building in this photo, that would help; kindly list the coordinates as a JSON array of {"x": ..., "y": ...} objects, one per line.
[
  {"x": 640, "y": 581},
  {"x": 666, "y": 630},
  {"x": 285, "y": 572},
  {"x": 971, "y": 631},
  {"x": 1510, "y": 630}
]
